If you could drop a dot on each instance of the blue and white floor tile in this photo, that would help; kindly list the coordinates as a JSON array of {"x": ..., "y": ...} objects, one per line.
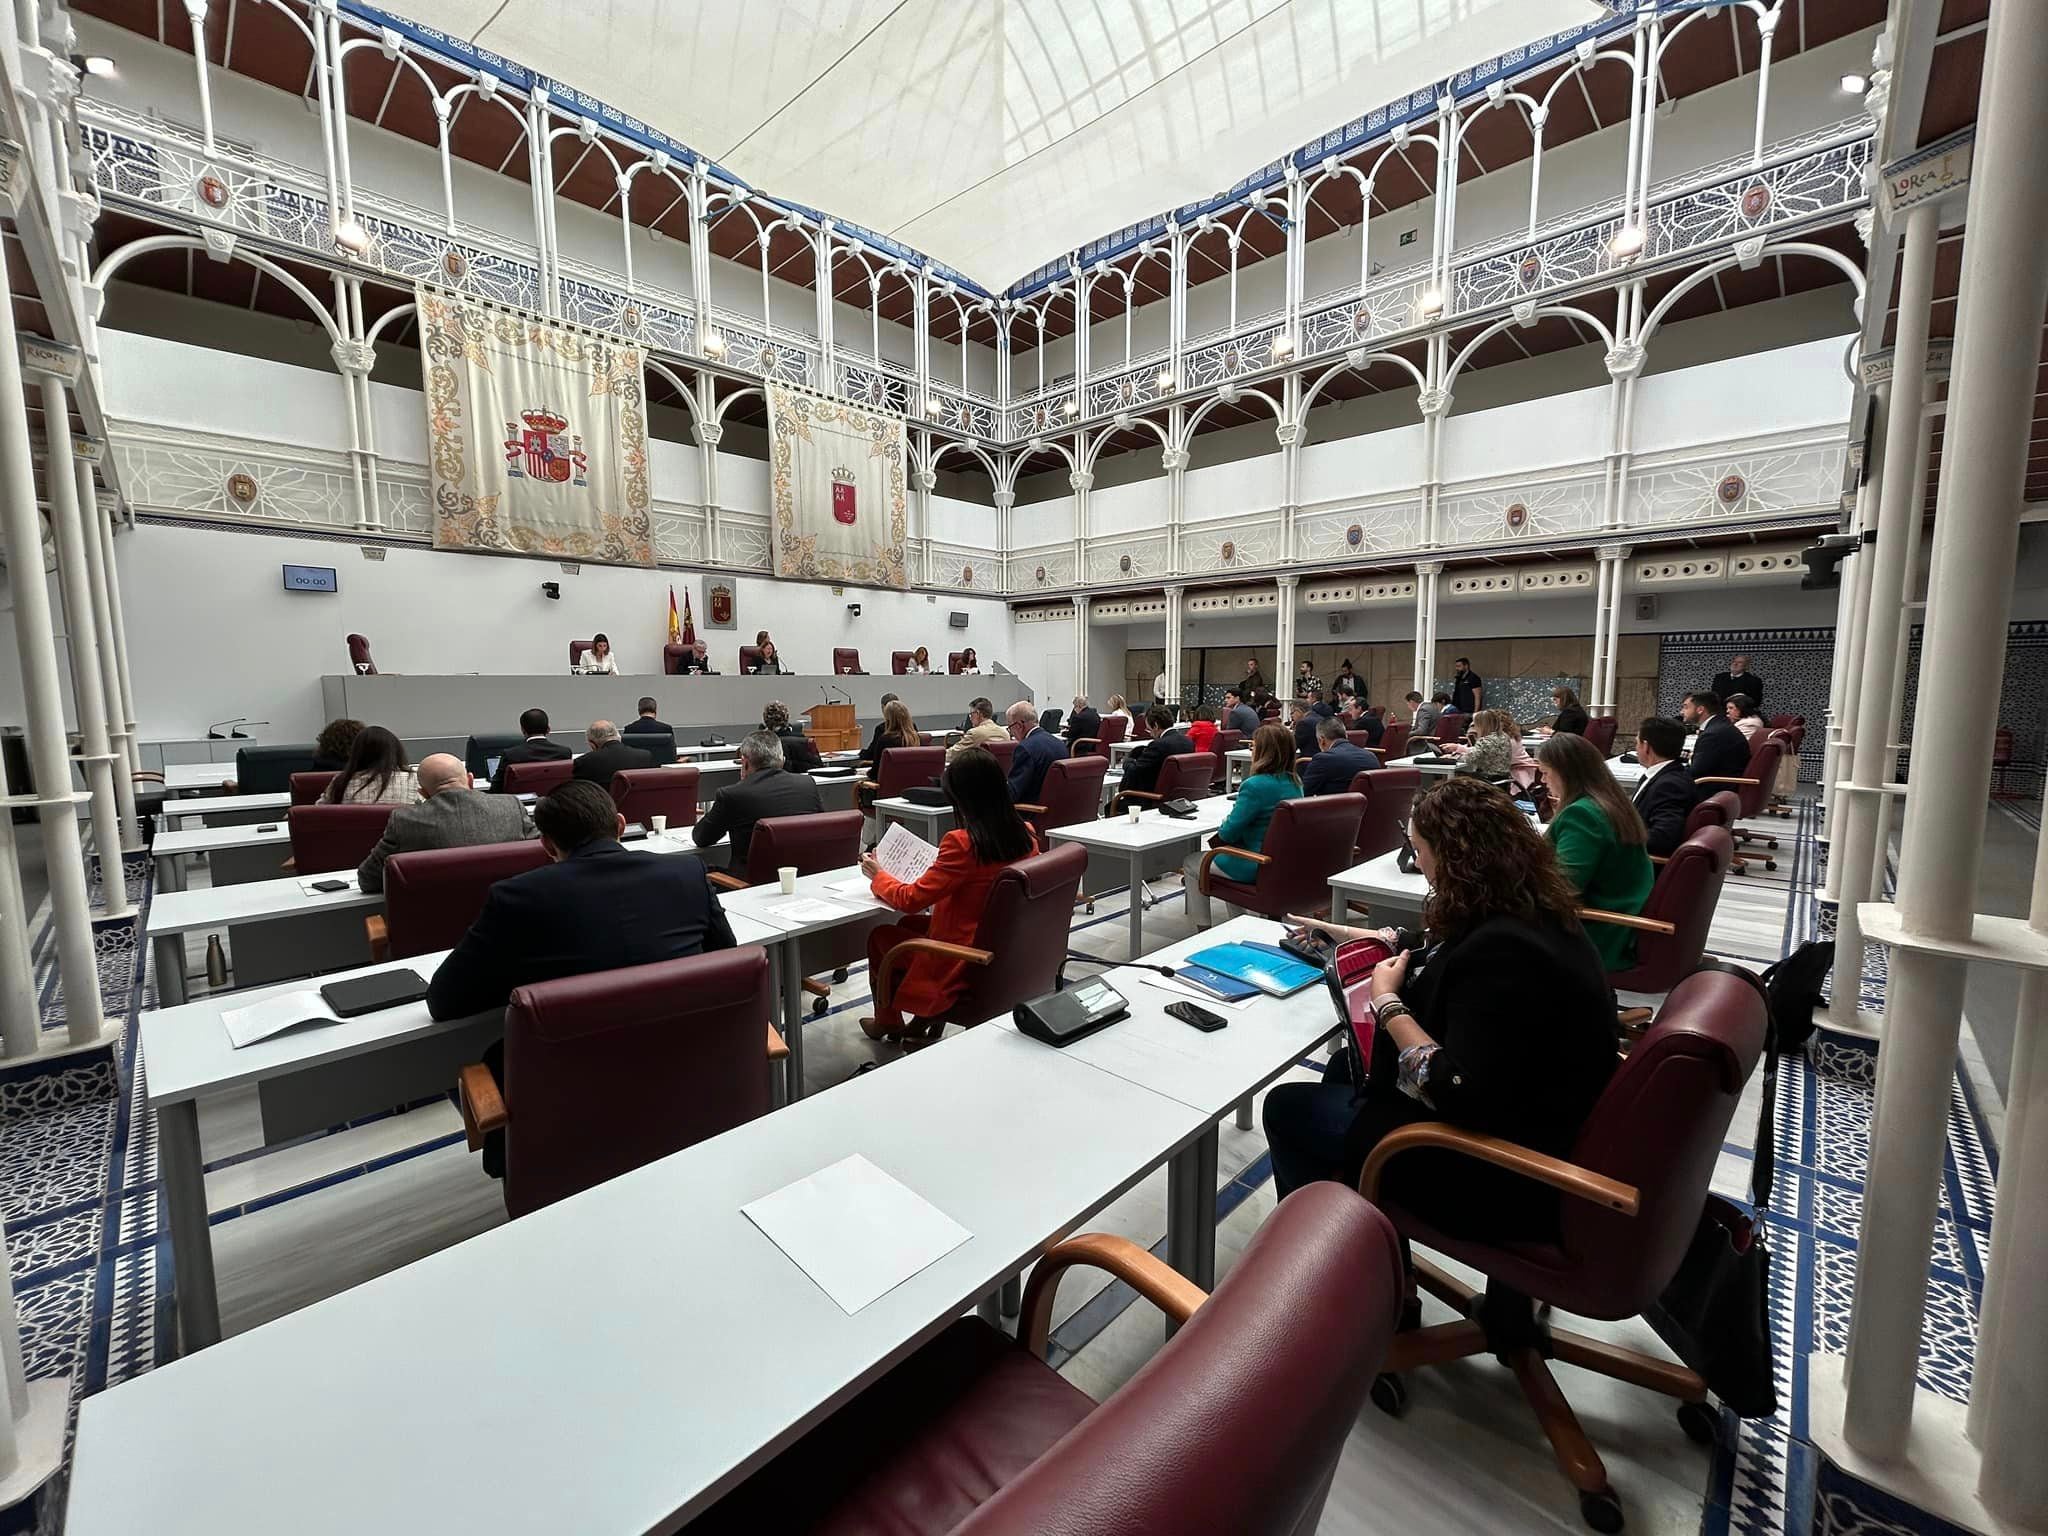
[{"x": 302, "y": 1221}]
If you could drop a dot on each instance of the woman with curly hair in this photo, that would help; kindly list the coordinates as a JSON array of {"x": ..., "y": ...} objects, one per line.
[
  {"x": 1501, "y": 1023},
  {"x": 332, "y": 746}
]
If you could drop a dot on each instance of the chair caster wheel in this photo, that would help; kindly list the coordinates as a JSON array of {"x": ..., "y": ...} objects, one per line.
[
  {"x": 839, "y": 974},
  {"x": 1602, "y": 1511},
  {"x": 819, "y": 1005},
  {"x": 1390, "y": 1394},
  {"x": 1701, "y": 1424},
  {"x": 1770, "y": 864},
  {"x": 1411, "y": 1319}
]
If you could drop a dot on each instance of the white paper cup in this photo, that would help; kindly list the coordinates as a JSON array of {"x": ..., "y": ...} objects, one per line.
[
  {"x": 1134, "y": 814},
  {"x": 659, "y": 823},
  {"x": 787, "y": 875}
]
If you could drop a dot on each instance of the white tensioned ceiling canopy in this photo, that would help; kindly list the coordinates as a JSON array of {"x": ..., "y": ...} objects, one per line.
[{"x": 996, "y": 135}]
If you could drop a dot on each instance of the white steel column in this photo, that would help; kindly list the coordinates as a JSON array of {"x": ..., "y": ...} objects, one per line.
[
  {"x": 1890, "y": 810},
  {"x": 1613, "y": 556},
  {"x": 20, "y": 1019},
  {"x": 1858, "y": 581},
  {"x": 1854, "y": 844},
  {"x": 1080, "y": 601},
  {"x": 2004, "y": 292},
  {"x": 1426, "y": 573},
  {"x": 63, "y": 848},
  {"x": 1283, "y": 634},
  {"x": 1604, "y": 576},
  {"x": 1175, "y": 597},
  {"x": 708, "y": 434},
  {"x": 87, "y": 454},
  {"x": 1839, "y": 689},
  {"x": 74, "y": 578},
  {"x": 120, "y": 626},
  {"x": 32, "y": 1414}
]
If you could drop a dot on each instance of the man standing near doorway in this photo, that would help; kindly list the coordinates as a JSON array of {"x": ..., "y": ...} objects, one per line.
[{"x": 1468, "y": 688}]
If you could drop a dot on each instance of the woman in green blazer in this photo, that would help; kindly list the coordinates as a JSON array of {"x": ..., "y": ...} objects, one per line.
[
  {"x": 1600, "y": 840},
  {"x": 1271, "y": 780}
]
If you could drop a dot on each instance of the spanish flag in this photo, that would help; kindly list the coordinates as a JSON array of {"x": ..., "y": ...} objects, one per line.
[{"x": 675, "y": 627}]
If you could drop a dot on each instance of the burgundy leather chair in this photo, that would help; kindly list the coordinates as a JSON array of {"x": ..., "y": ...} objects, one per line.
[
  {"x": 750, "y": 656},
  {"x": 974, "y": 1435},
  {"x": 610, "y": 1071},
  {"x": 539, "y": 778},
  {"x": 640, "y": 793},
  {"x": 901, "y": 767},
  {"x": 899, "y": 662},
  {"x": 1141, "y": 728},
  {"x": 1786, "y": 722},
  {"x": 1389, "y": 794},
  {"x": 1600, "y": 732},
  {"x": 814, "y": 841},
  {"x": 1228, "y": 742},
  {"x": 307, "y": 788},
  {"x": 1004, "y": 752},
  {"x": 1112, "y": 729},
  {"x": 845, "y": 661},
  {"x": 1718, "y": 810},
  {"x": 928, "y": 739},
  {"x": 359, "y": 656},
  {"x": 576, "y": 650},
  {"x": 1671, "y": 931},
  {"x": 1307, "y": 841},
  {"x": 1452, "y": 726},
  {"x": 1071, "y": 793},
  {"x": 1753, "y": 791},
  {"x": 673, "y": 655},
  {"x": 1184, "y": 776},
  {"x": 326, "y": 838},
  {"x": 1361, "y": 739},
  {"x": 1633, "y": 1188},
  {"x": 1393, "y": 741},
  {"x": 433, "y": 895},
  {"x": 954, "y": 661},
  {"x": 1018, "y": 943}
]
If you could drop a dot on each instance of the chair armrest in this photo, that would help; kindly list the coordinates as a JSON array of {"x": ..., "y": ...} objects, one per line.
[
  {"x": 1218, "y": 851},
  {"x": 1626, "y": 920},
  {"x": 1074, "y": 747},
  {"x": 865, "y": 784},
  {"x": 378, "y": 932},
  {"x": 1570, "y": 1178},
  {"x": 1658, "y": 858},
  {"x": 1031, "y": 810},
  {"x": 1717, "y": 779},
  {"x": 145, "y": 776},
  {"x": 1151, "y": 1277},
  {"x": 1140, "y": 794},
  {"x": 778, "y": 1048},
  {"x": 720, "y": 880},
  {"x": 884, "y": 980},
  {"x": 481, "y": 1104},
  {"x": 290, "y": 866}
]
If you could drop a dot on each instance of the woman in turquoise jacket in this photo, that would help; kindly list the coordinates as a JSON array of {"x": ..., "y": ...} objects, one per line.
[
  {"x": 1601, "y": 842},
  {"x": 1271, "y": 780}
]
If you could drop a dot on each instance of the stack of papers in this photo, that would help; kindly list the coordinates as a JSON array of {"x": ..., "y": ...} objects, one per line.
[
  {"x": 855, "y": 1231},
  {"x": 798, "y": 912}
]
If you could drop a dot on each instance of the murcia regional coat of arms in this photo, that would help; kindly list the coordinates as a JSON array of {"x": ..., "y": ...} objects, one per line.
[
  {"x": 545, "y": 449},
  {"x": 842, "y": 496}
]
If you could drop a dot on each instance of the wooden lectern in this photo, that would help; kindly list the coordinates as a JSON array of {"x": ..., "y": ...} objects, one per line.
[{"x": 832, "y": 727}]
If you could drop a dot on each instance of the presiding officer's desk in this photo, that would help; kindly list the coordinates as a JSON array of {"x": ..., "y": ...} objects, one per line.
[{"x": 436, "y": 705}]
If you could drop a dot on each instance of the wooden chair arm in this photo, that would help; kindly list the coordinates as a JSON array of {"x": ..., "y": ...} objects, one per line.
[
  {"x": 1076, "y": 746},
  {"x": 722, "y": 881},
  {"x": 1031, "y": 810},
  {"x": 1140, "y": 794},
  {"x": 1718, "y": 779},
  {"x": 378, "y": 932},
  {"x": 146, "y": 777},
  {"x": 884, "y": 979},
  {"x": 1210, "y": 857},
  {"x": 1151, "y": 1277},
  {"x": 865, "y": 784},
  {"x": 1582, "y": 1183},
  {"x": 1658, "y": 858},
  {"x": 1625, "y": 920},
  {"x": 778, "y": 1048},
  {"x": 290, "y": 866},
  {"x": 482, "y": 1105}
]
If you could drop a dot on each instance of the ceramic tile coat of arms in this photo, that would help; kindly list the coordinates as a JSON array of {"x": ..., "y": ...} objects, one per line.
[
  {"x": 537, "y": 436},
  {"x": 838, "y": 490}
]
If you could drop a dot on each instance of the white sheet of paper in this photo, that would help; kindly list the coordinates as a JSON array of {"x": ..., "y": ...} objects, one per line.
[
  {"x": 259, "y": 1021},
  {"x": 903, "y": 854},
  {"x": 857, "y": 886},
  {"x": 347, "y": 875},
  {"x": 796, "y": 911},
  {"x": 1194, "y": 994},
  {"x": 855, "y": 1231}
]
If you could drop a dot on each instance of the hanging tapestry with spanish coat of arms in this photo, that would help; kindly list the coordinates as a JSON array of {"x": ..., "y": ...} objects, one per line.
[
  {"x": 838, "y": 478},
  {"x": 536, "y": 435}
]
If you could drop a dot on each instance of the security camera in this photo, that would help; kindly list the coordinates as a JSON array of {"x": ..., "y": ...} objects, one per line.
[
  {"x": 1826, "y": 555},
  {"x": 551, "y": 590},
  {"x": 853, "y": 610}
]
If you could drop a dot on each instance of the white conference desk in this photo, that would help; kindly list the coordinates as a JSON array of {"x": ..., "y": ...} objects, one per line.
[
  {"x": 195, "y": 778},
  {"x": 1396, "y": 898},
  {"x": 930, "y": 822},
  {"x": 236, "y": 855},
  {"x": 1132, "y": 851},
  {"x": 615, "y": 1362},
  {"x": 226, "y": 810}
]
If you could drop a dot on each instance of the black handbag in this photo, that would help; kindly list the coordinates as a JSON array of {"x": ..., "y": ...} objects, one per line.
[{"x": 1715, "y": 1313}]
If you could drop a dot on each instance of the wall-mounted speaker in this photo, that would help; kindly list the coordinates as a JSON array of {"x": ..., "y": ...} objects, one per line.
[
  {"x": 1646, "y": 606},
  {"x": 956, "y": 620},
  {"x": 1339, "y": 622}
]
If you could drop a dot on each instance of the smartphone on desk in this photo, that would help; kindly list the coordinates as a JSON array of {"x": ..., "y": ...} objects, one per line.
[
  {"x": 272, "y": 827},
  {"x": 330, "y": 885},
  {"x": 1193, "y": 1013}
]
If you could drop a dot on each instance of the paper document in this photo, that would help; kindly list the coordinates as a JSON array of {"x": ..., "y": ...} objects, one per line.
[
  {"x": 259, "y": 1021},
  {"x": 797, "y": 911},
  {"x": 855, "y": 1231},
  {"x": 858, "y": 885},
  {"x": 347, "y": 876},
  {"x": 1180, "y": 988},
  {"x": 903, "y": 854}
]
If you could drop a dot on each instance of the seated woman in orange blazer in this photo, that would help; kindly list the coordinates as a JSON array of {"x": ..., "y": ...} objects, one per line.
[{"x": 990, "y": 837}]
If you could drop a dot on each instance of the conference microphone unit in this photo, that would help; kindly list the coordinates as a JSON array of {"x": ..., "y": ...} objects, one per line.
[
  {"x": 215, "y": 733},
  {"x": 242, "y": 735}
]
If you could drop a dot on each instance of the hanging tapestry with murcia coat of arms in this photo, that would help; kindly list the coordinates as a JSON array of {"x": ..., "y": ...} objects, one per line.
[
  {"x": 838, "y": 490},
  {"x": 536, "y": 436}
]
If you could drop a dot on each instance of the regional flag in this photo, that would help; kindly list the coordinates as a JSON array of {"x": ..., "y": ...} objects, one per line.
[{"x": 675, "y": 627}]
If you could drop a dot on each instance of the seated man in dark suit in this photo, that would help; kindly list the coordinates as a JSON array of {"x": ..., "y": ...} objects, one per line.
[
  {"x": 1238, "y": 715},
  {"x": 1083, "y": 722},
  {"x": 1142, "y": 765},
  {"x": 1666, "y": 794},
  {"x": 661, "y": 736},
  {"x": 647, "y": 724},
  {"x": 537, "y": 748},
  {"x": 449, "y": 815},
  {"x": 765, "y": 789},
  {"x": 799, "y": 753},
  {"x": 1312, "y": 714},
  {"x": 1355, "y": 718},
  {"x": 697, "y": 663},
  {"x": 1336, "y": 762},
  {"x": 1721, "y": 752},
  {"x": 607, "y": 755},
  {"x": 595, "y": 907},
  {"x": 1037, "y": 749}
]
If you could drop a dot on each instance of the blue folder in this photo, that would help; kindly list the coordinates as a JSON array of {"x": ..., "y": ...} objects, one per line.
[{"x": 1265, "y": 966}]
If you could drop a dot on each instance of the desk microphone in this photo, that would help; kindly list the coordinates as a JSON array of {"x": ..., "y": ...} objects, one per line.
[
  {"x": 215, "y": 733},
  {"x": 828, "y": 689},
  {"x": 241, "y": 735}
]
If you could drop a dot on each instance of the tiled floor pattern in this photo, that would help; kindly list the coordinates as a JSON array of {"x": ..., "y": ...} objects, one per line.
[{"x": 295, "y": 1223}]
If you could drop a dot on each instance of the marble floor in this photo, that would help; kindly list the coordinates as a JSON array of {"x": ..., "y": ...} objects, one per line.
[{"x": 296, "y": 1223}]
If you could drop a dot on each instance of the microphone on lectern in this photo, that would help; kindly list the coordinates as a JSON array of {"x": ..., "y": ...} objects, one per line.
[
  {"x": 214, "y": 731},
  {"x": 241, "y": 735}
]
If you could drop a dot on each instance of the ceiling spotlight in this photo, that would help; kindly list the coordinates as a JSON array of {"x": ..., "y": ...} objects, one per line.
[
  {"x": 1433, "y": 302},
  {"x": 351, "y": 237},
  {"x": 98, "y": 65},
  {"x": 1282, "y": 345},
  {"x": 1628, "y": 242},
  {"x": 1855, "y": 84},
  {"x": 714, "y": 345},
  {"x": 1165, "y": 380},
  {"x": 1072, "y": 407}
]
